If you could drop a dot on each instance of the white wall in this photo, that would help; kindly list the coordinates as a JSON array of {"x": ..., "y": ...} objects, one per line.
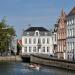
[
  {"x": 70, "y": 38},
  {"x": 50, "y": 45}
]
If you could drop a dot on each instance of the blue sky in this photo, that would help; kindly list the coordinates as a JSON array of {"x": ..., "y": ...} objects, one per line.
[{"x": 20, "y": 13}]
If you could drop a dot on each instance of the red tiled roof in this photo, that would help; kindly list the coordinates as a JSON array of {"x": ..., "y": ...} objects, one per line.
[{"x": 72, "y": 12}]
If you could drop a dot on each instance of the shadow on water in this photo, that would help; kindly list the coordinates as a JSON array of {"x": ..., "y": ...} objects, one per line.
[{"x": 26, "y": 59}]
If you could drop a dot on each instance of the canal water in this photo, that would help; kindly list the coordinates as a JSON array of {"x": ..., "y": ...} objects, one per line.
[{"x": 19, "y": 68}]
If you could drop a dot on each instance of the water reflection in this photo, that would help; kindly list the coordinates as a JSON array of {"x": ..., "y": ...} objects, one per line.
[{"x": 18, "y": 68}]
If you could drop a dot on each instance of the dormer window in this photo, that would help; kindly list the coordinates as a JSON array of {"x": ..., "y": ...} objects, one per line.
[
  {"x": 37, "y": 33},
  {"x": 45, "y": 33},
  {"x": 27, "y": 33}
]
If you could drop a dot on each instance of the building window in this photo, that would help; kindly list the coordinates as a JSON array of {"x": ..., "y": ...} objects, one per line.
[
  {"x": 67, "y": 22},
  {"x": 47, "y": 40},
  {"x": 43, "y": 49},
  {"x": 46, "y": 34},
  {"x": 72, "y": 32},
  {"x": 68, "y": 48},
  {"x": 29, "y": 49},
  {"x": 69, "y": 32},
  {"x": 27, "y": 33},
  {"x": 25, "y": 49},
  {"x": 58, "y": 47},
  {"x": 34, "y": 41},
  {"x": 39, "y": 41},
  {"x": 72, "y": 21},
  {"x": 25, "y": 40},
  {"x": 37, "y": 33},
  {"x": 47, "y": 49},
  {"x": 58, "y": 35},
  {"x": 68, "y": 57},
  {"x": 72, "y": 46},
  {"x": 34, "y": 49},
  {"x": 29, "y": 40},
  {"x": 55, "y": 37}
]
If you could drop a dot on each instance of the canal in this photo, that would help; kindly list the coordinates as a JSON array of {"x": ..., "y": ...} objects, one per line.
[{"x": 19, "y": 68}]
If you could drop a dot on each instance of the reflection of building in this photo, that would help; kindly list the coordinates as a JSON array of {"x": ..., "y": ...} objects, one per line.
[
  {"x": 54, "y": 39},
  {"x": 71, "y": 35},
  {"x": 37, "y": 40},
  {"x": 61, "y": 35}
]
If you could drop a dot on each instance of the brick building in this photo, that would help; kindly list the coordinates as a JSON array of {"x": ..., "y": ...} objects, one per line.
[{"x": 61, "y": 36}]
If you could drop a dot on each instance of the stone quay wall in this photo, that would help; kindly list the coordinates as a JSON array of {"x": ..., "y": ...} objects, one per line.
[
  {"x": 44, "y": 60},
  {"x": 10, "y": 58}
]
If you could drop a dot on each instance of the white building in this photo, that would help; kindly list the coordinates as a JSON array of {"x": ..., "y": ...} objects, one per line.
[
  {"x": 70, "y": 53},
  {"x": 54, "y": 39},
  {"x": 37, "y": 40}
]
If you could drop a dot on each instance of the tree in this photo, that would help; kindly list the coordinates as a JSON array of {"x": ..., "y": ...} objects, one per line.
[
  {"x": 18, "y": 48},
  {"x": 6, "y": 34}
]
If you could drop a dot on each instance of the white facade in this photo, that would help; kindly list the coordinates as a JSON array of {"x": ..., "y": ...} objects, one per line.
[
  {"x": 54, "y": 38},
  {"x": 37, "y": 43},
  {"x": 70, "y": 53}
]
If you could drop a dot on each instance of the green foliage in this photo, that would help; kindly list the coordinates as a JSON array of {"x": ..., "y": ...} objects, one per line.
[
  {"x": 6, "y": 34},
  {"x": 18, "y": 48}
]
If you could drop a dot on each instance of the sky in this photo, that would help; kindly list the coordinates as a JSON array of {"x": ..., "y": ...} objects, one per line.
[{"x": 21, "y": 13}]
